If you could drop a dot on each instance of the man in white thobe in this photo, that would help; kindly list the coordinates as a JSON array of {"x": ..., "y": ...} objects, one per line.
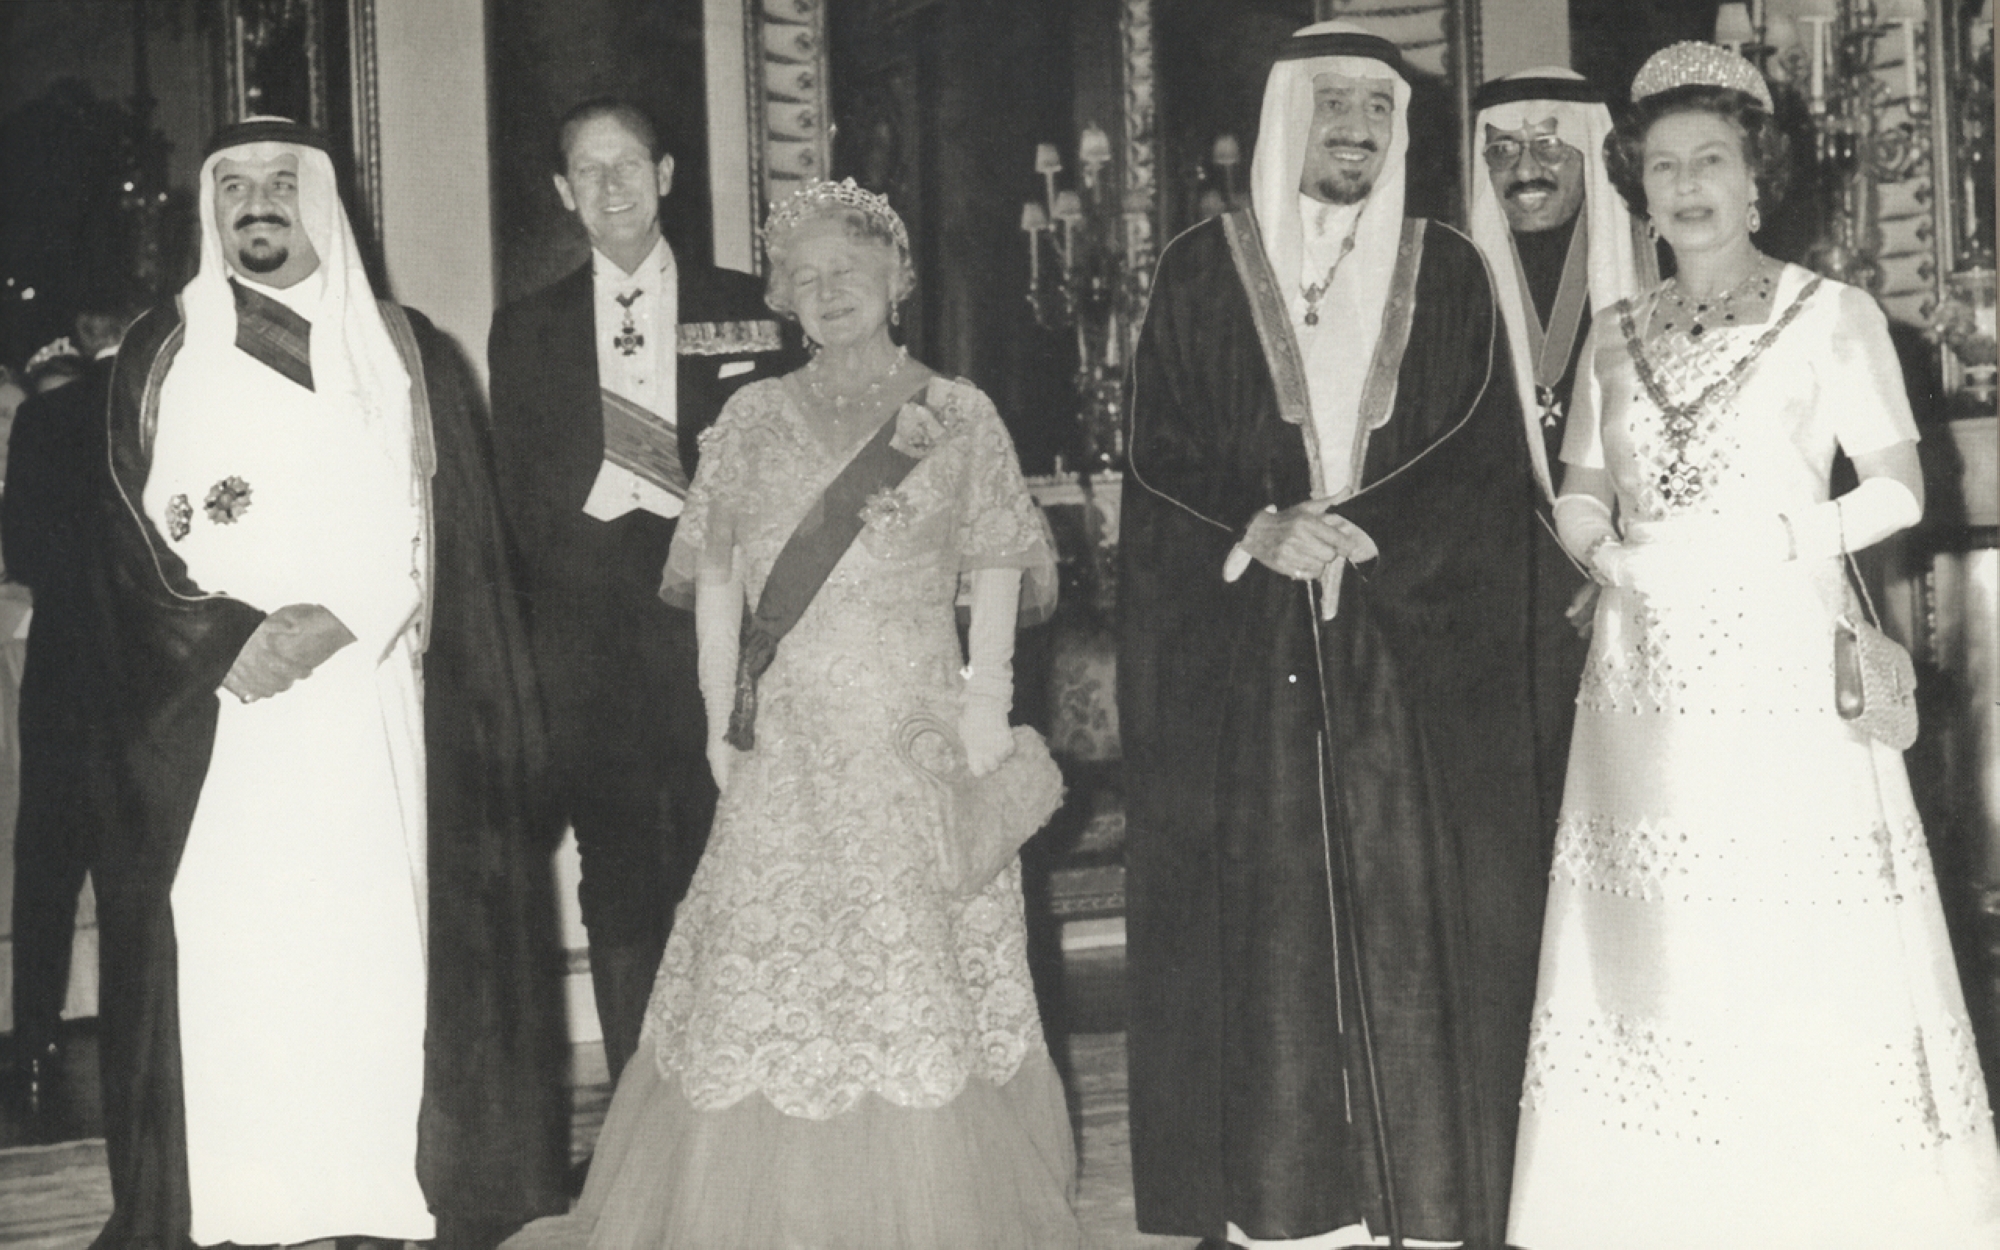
[{"x": 272, "y": 577}]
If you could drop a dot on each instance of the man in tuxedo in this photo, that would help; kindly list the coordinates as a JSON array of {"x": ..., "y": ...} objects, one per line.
[{"x": 601, "y": 383}]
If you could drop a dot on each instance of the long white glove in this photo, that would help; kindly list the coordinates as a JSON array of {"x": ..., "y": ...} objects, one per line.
[
  {"x": 1864, "y": 516},
  {"x": 1651, "y": 557},
  {"x": 718, "y": 621},
  {"x": 1666, "y": 550},
  {"x": 989, "y": 677}
]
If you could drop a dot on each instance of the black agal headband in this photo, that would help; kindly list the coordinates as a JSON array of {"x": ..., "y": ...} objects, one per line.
[
  {"x": 1515, "y": 90},
  {"x": 1343, "y": 43},
  {"x": 266, "y": 130}
]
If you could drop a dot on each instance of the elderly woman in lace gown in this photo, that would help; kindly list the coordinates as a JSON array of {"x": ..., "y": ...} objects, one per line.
[
  {"x": 1749, "y": 1029},
  {"x": 840, "y": 1051}
]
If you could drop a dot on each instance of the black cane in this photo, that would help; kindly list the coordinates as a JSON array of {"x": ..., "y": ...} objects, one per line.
[{"x": 1334, "y": 837}]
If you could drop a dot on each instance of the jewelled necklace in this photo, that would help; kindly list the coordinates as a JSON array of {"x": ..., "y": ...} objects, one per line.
[
  {"x": 872, "y": 392},
  {"x": 1755, "y": 288},
  {"x": 1682, "y": 481},
  {"x": 1316, "y": 291}
]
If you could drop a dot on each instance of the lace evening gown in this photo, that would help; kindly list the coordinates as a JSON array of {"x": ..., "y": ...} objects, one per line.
[
  {"x": 1749, "y": 1029},
  {"x": 837, "y": 1054}
]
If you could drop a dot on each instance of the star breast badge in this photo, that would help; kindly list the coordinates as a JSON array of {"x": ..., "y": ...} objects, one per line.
[{"x": 227, "y": 500}]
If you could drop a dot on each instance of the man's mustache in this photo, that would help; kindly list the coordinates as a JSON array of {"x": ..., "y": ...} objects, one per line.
[
  {"x": 1532, "y": 184},
  {"x": 261, "y": 219}
]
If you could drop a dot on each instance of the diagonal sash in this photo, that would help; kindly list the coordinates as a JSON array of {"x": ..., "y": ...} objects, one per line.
[
  {"x": 823, "y": 536},
  {"x": 273, "y": 335},
  {"x": 637, "y": 440}
]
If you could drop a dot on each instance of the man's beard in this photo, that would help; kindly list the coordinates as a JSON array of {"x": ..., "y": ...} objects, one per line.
[
  {"x": 261, "y": 255},
  {"x": 268, "y": 261},
  {"x": 1350, "y": 189}
]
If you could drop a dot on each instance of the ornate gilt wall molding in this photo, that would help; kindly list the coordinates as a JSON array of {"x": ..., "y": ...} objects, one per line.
[
  {"x": 1141, "y": 200},
  {"x": 770, "y": 115},
  {"x": 365, "y": 92}
]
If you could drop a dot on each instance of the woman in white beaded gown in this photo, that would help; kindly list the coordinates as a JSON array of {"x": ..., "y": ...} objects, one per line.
[
  {"x": 1749, "y": 1030},
  {"x": 840, "y": 1053}
]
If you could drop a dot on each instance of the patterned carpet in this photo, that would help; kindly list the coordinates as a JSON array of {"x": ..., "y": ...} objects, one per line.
[
  {"x": 1104, "y": 1198},
  {"x": 56, "y": 1197},
  {"x": 53, "y": 1196}
]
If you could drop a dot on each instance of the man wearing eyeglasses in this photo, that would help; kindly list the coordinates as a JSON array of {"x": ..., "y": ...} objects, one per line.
[{"x": 1562, "y": 246}]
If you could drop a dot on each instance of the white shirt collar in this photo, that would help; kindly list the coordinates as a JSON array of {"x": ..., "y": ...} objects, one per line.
[{"x": 607, "y": 273}]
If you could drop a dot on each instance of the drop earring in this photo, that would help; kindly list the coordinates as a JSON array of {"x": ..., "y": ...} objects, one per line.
[
  {"x": 895, "y": 314},
  {"x": 1652, "y": 231},
  {"x": 1753, "y": 219}
]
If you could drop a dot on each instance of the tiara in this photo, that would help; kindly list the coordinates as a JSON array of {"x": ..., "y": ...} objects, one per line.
[
  {"x": 817, "y": 197},
  {"x": 1693, "y": 63},
  {"x": 52, "y": 351}
]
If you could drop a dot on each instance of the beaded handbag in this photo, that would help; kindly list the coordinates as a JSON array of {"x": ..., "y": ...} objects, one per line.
[
  {"x": 986, "y": 819},
  {"x": 1874, "y": 682}
]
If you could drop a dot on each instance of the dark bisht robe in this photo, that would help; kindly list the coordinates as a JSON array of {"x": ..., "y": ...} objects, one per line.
[
  {"x": 494, "y": 1121},
  {"x": 55, "y": 471},
  {"x": 493, "y": 1144},
  {"x": 1559, "y": 650},
  {"x": 1238, "y": 1098}
]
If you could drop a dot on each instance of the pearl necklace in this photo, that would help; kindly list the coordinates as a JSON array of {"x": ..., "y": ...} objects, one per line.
[
  {"x": 868, "y": 396},
  {"x": 1756, "y": 288}
]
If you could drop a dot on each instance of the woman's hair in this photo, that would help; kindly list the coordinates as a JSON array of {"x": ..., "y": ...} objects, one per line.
[
  {"x": 862, "y": 227},
  {"x": 1764, "y": 148}
]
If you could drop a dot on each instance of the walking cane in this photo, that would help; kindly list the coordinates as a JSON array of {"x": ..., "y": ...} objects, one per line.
[{"x": 1334, "y": 837}]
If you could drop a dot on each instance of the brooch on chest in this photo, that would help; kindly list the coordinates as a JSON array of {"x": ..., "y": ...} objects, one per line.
[
  {"x": 628, "y": 340},
  {"x": 180, "y": 517},
  {"x": 227, "y": 500}
]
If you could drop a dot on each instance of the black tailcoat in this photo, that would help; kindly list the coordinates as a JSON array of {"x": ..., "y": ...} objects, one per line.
[{"x": 617, "y": 671}]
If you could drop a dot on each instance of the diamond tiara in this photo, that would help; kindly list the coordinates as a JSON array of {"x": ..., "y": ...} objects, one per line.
[
  {"x": 1693, "y": 63},
  {"x": 818, "y": 197},
  {"x": 51, "y": 351}
]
